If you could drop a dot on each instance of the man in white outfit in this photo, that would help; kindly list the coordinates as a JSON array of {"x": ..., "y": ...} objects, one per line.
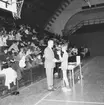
[{"x": 49, "y": 64}]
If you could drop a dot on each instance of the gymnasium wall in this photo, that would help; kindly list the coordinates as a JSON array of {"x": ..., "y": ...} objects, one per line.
[
  {"x": 73, "y": 8},
  {"x": 92, "y": 37}
]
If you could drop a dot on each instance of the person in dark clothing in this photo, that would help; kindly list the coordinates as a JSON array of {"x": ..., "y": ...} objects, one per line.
[{"x": 57, "y": 69}]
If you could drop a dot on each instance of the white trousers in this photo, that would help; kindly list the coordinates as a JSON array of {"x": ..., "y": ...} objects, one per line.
[
  {"x": 49, "y": 75},
  {"x": 65, "y": 78}
]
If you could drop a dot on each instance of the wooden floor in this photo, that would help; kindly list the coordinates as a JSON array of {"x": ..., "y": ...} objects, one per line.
[{"x": 88, "y": 92}]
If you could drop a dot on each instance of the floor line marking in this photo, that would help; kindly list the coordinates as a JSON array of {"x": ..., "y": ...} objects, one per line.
[
  {"x": 43, "y": 98},
  {"x": 86, "y": 102}
]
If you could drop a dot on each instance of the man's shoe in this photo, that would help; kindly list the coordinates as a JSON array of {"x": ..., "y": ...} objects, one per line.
[
  {"x": 65, "y": 89},
  {"x": 68, "y": 89},
  {"x": 15, "y": 93},
  {"x": 53, "y": 89}
]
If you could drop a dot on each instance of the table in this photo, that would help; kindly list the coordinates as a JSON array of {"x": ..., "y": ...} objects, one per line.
[{"x": 71, "y": 67}]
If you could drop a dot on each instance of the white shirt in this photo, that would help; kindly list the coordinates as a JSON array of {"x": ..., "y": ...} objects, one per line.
[
  {"x": 64, "y": 64},
  {"x": 22, "y": 63},
  {"x": 18, "y": 36},
  {"x": 11, "y": 76},
  {"x": 1, "y": 41},
  {"x": 5, "y": 39},
  {"x": 13, "y": 46}
]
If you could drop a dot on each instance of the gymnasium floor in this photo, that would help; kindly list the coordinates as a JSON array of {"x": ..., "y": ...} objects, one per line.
[{"x": 88, "y": 92}]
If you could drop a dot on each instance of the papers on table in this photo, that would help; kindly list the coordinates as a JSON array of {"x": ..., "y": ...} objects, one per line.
[{"x": 70, "y": 67}]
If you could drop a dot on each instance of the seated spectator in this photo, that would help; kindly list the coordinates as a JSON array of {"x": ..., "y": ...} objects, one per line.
[
  {"x": 42, "y": 43},
  {"x": 87, "y": 52},
  {"x": 29, "y": 59},
  {"x": 34, "y": 31},
  {"x": 5, "y": 56},
  {"x": 32, "y": 44},
  {"x": 11, "y": 36},
  {"x": 5, "y": 50},
  {"x": 34, "y": 37},
  {"x": 1, "y": 41},
  {"x": 25, "y": 56},
  {"x": 74, "y": 50},
  {"x": 21, "y": 52},
  {"x": 18, "y": 36},
  {"x": 5, "y": 37},
  {"x": 14, "y": 46},
  {"x": 39, "y": 59},
  {"x": 22, "y": 63}
]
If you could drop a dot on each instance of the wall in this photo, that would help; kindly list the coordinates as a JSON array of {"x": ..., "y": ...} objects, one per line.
[
  {"x": 92, "y": 37},
  {"x": 96, "y": 1},
  {"x": 60, "y": 22},
  {"x": 32, "y": 17},
  {"x": 72, "y": 9}
]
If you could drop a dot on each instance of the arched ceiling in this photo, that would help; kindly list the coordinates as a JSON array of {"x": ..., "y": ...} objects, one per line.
[{"x": 90, "y": 14}]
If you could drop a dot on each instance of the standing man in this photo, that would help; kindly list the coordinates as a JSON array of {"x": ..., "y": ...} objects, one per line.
[{"x": 49, "y": 64}]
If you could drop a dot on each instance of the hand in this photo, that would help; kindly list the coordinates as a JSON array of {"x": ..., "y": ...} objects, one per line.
[
  {"x": 59, "y": 52},
  {"x": 58, "y": 60},
  {"x": 43, "y": 56},
  {"x": 54, "y": 60}
]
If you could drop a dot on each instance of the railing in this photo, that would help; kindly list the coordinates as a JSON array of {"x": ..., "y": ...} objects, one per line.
[
  {"x": 84, "y": 23},
  {"x": 93, "y": 6},
  {"x": 29, "y": 76}
]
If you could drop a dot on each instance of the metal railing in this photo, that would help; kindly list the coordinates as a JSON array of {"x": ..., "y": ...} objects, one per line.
[{"x": 82, "y": 23}]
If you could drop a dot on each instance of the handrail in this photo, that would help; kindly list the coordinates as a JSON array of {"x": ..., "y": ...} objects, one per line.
[{"x": 84, "y": 23}]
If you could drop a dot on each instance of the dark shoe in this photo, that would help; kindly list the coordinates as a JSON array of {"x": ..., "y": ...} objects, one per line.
[{"x": 15, "y": 93}]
